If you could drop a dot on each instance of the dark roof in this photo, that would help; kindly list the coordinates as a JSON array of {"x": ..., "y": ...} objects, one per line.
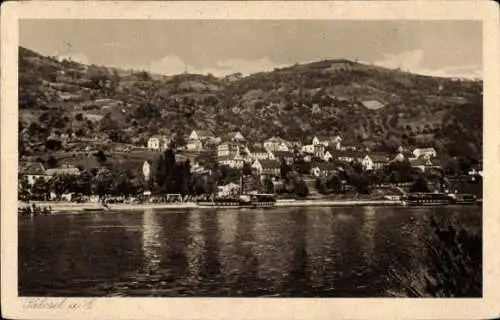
[
  {"x": 419, "y": 162},
  {"x": 270, "y": 164},
  {"x": 204, "y": 133},
  {"x": 31, "y": 167},
  {"x": 232, "y": 135},
  {"x": 279, "y": 154},
  {"x": 256, "y": 149},
  {"x": 325, "y": 165},
  {"x": 61, "y": 171},
  {"x": 277, "y": 139},
  {"x": 349, "y": 153},
  {"x": 378, "y": 156}
]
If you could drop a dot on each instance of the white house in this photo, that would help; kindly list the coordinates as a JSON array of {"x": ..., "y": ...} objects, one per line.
[
  {"x": 194, "y": 145},
  {"x": 235, "y": 136},
  {"x": 327, "y": 141},
  {"x": 33, "y": 171},
  {"x": 159, "y": 143},
  {"x": 374, "y": 161},
  {"x": 227, "y": 148},
  {"x": 323, "y": 169},
  {"x": 349, "y": 156},
  {"x": 425, "y": 152},
  {"x": 261, "y": 153},
  {"x": 228, "y": 189},
  {"x": 267, "y": 167},
  {"x": 200, "y": 135},
  {"x": 233, "y": 161},
  {"x": 308, "y": 148},
  {"x": 277, "y": 144}
]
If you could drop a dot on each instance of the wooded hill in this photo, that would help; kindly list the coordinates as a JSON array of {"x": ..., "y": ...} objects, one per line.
[{"x": 365, "y": 104}]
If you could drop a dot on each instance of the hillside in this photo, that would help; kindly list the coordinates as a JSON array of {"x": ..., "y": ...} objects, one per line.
[{"x": 366, "y": 104}]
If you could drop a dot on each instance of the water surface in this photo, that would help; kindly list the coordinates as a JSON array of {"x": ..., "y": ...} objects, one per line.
[{"x": 330, "y": 252}]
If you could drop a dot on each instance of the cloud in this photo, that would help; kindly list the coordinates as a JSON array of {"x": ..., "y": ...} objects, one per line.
[
  {"x": 413, "y": 61},
  {"x": 172, "y": 64},
  {"x": 78, "y": 57}
]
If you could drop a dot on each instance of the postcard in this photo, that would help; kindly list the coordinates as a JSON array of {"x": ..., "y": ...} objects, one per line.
[{"x": 250, "y": 160}]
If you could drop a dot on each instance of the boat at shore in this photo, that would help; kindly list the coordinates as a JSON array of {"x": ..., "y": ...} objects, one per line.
[
  {"x": 438, "y": 199},
  {"x": 257, "y": 200}
]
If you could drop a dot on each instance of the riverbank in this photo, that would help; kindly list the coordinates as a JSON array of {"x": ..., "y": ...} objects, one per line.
[{"x": 59, "y": 206}]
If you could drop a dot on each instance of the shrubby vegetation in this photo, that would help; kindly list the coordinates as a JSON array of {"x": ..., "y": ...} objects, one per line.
[
  {"x": 452, "y": 266},
  {"x": 298, "y": 101}
]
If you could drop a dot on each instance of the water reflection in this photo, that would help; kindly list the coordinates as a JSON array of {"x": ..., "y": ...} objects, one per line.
[
  {"x": 337, "y": 252},
  {"x": 152, "y": 244},
  {"x": 367, "y": 234},
  {"x": 194, "y": 250}
]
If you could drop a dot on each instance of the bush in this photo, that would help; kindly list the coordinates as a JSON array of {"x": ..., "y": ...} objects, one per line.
[
  {"x": 301, "y": 189},
  {"x": 452, "y": 265}
]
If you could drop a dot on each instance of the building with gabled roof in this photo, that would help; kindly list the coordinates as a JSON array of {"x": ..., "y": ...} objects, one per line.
[
  {"x": 159, "y": 143},
  {"x": 375, "y": 160},
  {"x": 324, "y": 168},
  {"x": 425, "y": 152},
  {"x": 32, "y": 170},
  {"x": 266, "y": 167}
]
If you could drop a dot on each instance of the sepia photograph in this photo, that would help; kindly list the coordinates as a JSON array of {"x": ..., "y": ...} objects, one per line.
[{"x": 248, "y": 158}]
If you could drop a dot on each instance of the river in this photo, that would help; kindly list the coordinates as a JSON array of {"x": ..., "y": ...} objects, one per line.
[{"x": 291, "y": 252}]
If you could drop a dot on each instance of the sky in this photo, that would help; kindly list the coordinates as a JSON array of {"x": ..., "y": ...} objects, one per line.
[{"x": 222, "y": 47}]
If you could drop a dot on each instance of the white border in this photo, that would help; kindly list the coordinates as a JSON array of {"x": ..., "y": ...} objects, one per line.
[{"x": 237, "y": 308}]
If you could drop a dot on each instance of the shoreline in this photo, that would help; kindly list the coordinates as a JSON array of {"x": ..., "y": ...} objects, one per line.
[{"x": 91, "y": 206}]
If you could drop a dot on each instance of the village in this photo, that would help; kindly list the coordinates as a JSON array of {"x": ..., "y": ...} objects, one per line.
[{"x": 321, "y": 167}]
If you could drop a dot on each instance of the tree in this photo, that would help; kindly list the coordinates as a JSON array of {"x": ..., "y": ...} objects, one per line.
[
  {"x": 52, "y": 144},
  {"x": 101, "y": 157},
  {"x": 420, "y": 185},
  {"x": 51, "y": 162},
  {"x": 79, "y": 117},
  {"x": 247, "y": 169},
  {"x": 301, "y": 189},
  {"x": 284, "y": 169}
]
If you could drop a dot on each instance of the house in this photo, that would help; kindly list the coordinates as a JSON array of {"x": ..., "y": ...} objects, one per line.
[
  {"x": 287, "y": 156},
  {"x": 330, "y": 154},
  {"x": 425, "y": 152},
  {"x": 227, "y": 148},
  {"x": 277, "y": 144},
  {"x": 159, "y": 143},
  {"x": 65, "y": 169},
  {"x": 228, "y": 189},
  {"x": 401, "y": 156},
  {"x": 32, "y": 170},
  {"x": 322, "y": 169},
  {"x": 267, "y": 167},
  {"x": 200, "y": 135},
  {"x": 194, "y": 145},
  {"x": 308, "y": 149},
  {"x": 319, "y": 150},
  {"x": 233, "y": 161},
  {"x": 424, "y": 163},
  {"x": 374, "y": 161},
  {"x": 327, "y": 141},
  {"x": 234, "y": 136},
  {"x": 259, "y": 153},
  {"x": 349, "y": 156}
]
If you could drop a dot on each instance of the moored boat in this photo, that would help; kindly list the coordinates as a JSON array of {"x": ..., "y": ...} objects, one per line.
[
  {"x": 243, "y": 201},
  {"x": 438, "y": 199},
  {"x": 427, "y": 199}
]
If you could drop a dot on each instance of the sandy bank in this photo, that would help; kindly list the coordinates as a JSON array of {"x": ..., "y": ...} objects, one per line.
[{"x": 91, "y": 206}]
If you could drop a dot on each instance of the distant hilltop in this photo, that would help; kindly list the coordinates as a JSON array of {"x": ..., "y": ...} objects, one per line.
[{"x": 363, "y": 103}]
